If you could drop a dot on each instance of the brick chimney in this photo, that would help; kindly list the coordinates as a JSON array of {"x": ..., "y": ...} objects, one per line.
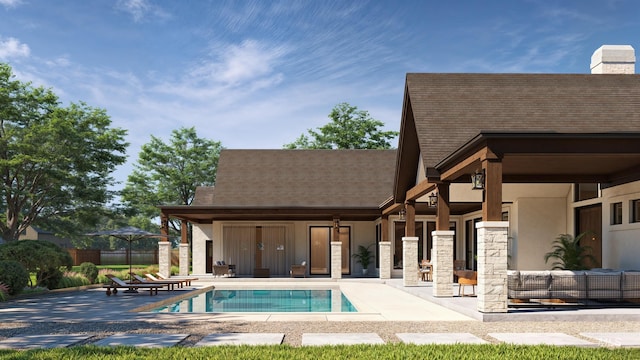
[{"x": 614, "y": 59}]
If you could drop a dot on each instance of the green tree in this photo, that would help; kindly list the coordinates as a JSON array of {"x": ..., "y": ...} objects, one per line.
[
  {"x": 168, "y": 173},
  {"x": 41, "y": 257},
  {"x": 569, "y": 254},
  {"x": 55, "y": 162},
  {"x": 349, "y": 128}
]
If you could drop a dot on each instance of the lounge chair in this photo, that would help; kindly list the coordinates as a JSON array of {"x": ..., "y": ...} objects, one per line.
[
  {"x": 187, "y": 281},
  {"x": 299, "y": 270},
  {"x": 116, "y": 283},
  {"x": 170, "y": 284}
]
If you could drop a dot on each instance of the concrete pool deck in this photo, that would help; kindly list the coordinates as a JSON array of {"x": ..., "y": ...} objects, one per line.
[{"x": 387, "y": 310}]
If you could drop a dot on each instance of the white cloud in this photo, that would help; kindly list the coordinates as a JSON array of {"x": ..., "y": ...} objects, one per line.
[
  {"x": 141, "y": 9},
  {"x": 10, "y": 3},
  {"x": 12, "y": 48}
]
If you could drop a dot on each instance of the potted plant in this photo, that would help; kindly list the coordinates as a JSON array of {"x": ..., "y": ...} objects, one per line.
[
  {"x": 570, "y": 255},
  {"x": 363, "y": 257}
]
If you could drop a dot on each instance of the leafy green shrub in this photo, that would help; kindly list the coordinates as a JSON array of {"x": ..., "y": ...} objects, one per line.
[
  {"x": 43, "y": 258},
  {"x": 89, "y": 270},
  {"x": 73, "y": 279},
  {"x": 14, "y": 276},
  {"x": 175, "y": 270},
  {"x": 49, "y": 278}
]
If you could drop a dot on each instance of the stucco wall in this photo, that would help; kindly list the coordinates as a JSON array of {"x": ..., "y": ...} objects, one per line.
[
  {"x": 201, "y": 233},
  {"x": 620, "y": 243},
  {"x": 538, "y": 222}
]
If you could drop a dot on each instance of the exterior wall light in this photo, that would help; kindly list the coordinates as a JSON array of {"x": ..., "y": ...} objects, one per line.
[
  {"x": 477, "y": 180},
  {"x": 402, "y": 213},
  {"x": 433, "y": 199}
]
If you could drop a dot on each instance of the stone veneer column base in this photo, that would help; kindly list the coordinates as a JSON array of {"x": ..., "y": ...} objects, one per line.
[
  {"x": 492, "y": 266},
  {"x": 336, "y": 259},
  {"x": 410, "y": 261},
  {"x": 184, "y": 259},
  {"x": 164, "y": 258},
  {"x": 442, "y": 260},
  {"x": 385, "y": 260}
]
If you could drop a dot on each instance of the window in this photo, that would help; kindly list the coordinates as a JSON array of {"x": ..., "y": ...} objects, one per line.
[
  {"x": 586, "y": 191},
  {"x": 635, "y": 211},
  {"x": 616, "y": 213}
]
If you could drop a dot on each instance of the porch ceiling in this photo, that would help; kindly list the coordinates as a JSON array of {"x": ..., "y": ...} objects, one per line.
[
  {"x": 207, "y": 214},
  {"x": 549, "y": 158}
]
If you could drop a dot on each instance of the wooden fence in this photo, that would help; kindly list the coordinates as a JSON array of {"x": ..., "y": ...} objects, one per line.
[{"x": 114, "y": 257}]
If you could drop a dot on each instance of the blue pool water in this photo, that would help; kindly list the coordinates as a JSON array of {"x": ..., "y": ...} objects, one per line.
[{"x": 263, "y": 301}]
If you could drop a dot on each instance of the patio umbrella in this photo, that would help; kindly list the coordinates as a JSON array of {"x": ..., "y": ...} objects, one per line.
[{"x": 130, "y": 234}]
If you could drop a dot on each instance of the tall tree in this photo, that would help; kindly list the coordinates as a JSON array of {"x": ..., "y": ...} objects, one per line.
[
  {"x": 349, "y": 128},
  {"x": 55, "y": 162},
  {"x": 168, "y": 173}
]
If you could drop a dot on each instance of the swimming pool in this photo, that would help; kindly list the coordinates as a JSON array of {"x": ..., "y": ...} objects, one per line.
[{"x": 244, "y": 300}]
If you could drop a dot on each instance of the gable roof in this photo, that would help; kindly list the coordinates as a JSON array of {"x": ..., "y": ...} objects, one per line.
[
  {"x": 302, "y": 178},
  {"x": 442, "y": 112}
]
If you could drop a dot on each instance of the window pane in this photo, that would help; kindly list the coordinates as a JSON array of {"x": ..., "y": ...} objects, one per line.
[
  {"x": 616, "y": 213},
  {"x": 635, "y": 211}
]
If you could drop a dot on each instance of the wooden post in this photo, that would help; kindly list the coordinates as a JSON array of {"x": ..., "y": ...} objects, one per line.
[
  {"x": 410, "y": 218},
  {"x": 492, "y": 202},
  {"x": 443, "y": 209}
]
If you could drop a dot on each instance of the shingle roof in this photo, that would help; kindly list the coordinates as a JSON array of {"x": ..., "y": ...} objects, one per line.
[
  {"x": 302, "y": 178},
  {"x": 450, "y": 109}
]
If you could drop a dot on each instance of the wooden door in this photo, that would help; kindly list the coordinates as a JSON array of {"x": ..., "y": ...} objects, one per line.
[{"x": 589, "y": 219}]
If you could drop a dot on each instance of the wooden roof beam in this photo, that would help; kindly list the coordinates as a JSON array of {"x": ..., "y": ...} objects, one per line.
[
  {"x": 468, "y": 165},
  {"x": 421, "y": 189}
]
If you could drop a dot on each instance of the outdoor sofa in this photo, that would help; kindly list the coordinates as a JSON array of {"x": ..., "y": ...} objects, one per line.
[{"x": 596, "y": 284}]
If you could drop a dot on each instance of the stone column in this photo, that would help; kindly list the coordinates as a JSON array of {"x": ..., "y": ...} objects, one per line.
[
  {"x": 164, "y": 257},
  {"x": 184, "y": 259},
  {"x": 492, "y": 266},
  {"x": 336, "y": 259},
  {"x": 385, "y": 259},
  {"x": 442, "y": 260},
  {"x": 410, "y": 260}
]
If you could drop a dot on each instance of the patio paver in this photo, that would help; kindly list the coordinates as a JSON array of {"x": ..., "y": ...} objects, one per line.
[
  {"x": 42, "y": 341},
  {"x": 341, "y": 339},
  {"x": 541, "y": 339},
  {"x": 241, "y": 339},
  {"x": 142, "y": 340},
  {"x": 629, "y": 339},
  {"x": 439, "y": 338}
]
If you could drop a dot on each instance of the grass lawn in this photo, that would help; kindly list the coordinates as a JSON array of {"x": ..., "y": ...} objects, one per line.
[{"x": 365, "y": 352}]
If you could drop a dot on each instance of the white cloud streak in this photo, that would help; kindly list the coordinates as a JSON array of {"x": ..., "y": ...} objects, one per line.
[
  {"x": 12, "y": 48},
  {"x": 10, "y": 3},
  {"x": 141, "y": 10}
]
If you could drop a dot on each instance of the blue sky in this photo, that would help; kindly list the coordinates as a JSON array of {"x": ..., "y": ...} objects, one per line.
[{"x": 257, "y": 74}]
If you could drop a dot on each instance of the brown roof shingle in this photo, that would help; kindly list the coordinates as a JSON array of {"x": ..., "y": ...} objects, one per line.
[
  {"x": 303, "y": 178},
  {"x": 450, "y": 109}
]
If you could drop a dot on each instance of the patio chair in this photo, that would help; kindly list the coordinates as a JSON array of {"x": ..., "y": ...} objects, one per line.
[
  {"x": 425, "y": 272},
  {"x": 187, "y": 281},
  {"x": 116, "y": 283},
  {"x": 222, "y": 269},
  {"x": 170, "y": 284},
  {"x": 299, "y": 270},
  {"x": 467, "y": 278}
]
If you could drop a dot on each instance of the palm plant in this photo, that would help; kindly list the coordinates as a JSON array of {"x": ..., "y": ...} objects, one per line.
[
  {"x": 569, "y": 254},
  {"x": 363, "y": 256}
]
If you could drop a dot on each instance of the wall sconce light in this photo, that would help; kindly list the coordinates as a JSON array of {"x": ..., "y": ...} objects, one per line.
[
  {"x": 402, "y": 213},
  {"x": 336, "y": 224},
  {"x": 477, "y": 180},
  {"x": 433, "y": 199}
]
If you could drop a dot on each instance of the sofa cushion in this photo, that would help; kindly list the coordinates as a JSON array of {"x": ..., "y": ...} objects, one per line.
[
  {"x": 631, "y": 285},
  {"x": 568, "y": 284}
]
